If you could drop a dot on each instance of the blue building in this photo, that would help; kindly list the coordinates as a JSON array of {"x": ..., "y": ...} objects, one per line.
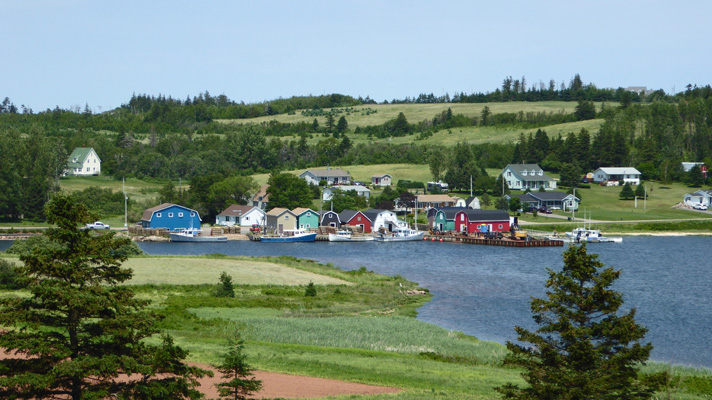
[{"x": 170, "y": 216}]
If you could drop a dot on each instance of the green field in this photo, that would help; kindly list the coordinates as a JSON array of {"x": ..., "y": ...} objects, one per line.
[
  {"x": 360, "y": 327},
  {"x": 380, "y": 113}
]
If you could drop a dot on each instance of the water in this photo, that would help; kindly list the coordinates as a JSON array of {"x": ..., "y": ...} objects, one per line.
[{"x": 485, "y": 291}]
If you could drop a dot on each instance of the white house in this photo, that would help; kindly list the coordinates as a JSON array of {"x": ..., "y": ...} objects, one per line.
[
  {"x": 83, "y": 162},
  {"x": 472, "y": 203},
  {"x": 360, "y": 190},
  {"x": 687, "y": 166},
  {"x": 625, "y": 174},
  {"x": 331, "y": 176},
  {"x": 527, "y": 176},
  {"x": 241, "y": 216},
  {"x": 703, "y": 197},
  {"x": 381, "y": 180},
  {"x": 383, "y": 219}
]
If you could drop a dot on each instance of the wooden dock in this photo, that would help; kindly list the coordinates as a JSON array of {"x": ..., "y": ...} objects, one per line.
[{"x": 505, "y": 242}]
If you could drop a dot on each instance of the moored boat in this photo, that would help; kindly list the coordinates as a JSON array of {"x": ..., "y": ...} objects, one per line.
[
  {"x": 194, "y": 235},
  {"x": 347, "y": 236},
  {"x": 587, "y": 235},
  {"x": 400, "y": 235},
  {"x": 296, "y": 235}
]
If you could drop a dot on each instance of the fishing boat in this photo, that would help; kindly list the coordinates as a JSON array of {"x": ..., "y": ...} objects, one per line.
[
  {"x": 194, "y": 235},
  {"x": 348, "y": 236},
  {"x": 400, "y": 235},
  {"x": 288, "y": 236},
  {"x": 588, "y": 235}
]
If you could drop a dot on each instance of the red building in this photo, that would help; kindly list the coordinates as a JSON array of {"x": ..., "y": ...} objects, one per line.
[
  {"x": 470, "y": 220},
  {"x": 355, "y": 218}
]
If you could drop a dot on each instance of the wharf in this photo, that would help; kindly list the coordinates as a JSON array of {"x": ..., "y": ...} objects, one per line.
[{"x": 506, "y": 241}]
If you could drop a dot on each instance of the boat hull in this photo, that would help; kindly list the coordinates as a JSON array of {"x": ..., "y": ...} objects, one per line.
[
  {"x": 398, "y": 238},
  {"x": 350, "y": 238},
  {"x": 177, "y": 237},
  {"x": 308, "y": 237}
]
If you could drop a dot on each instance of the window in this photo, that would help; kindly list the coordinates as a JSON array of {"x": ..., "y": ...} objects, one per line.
[
  {"x": 170, "y": 215},
  {"x": 192, "y": 214},
  {"x": 509, "y": 173},
  {"x": 286, "y": 217},
  {"x": 158, "y": 215},
  {"x": 462, "y": 217},
  {"x": 500, "y": 227},
  {"x": 180, "y": 215},
  {"x": 359, "y": 219}
]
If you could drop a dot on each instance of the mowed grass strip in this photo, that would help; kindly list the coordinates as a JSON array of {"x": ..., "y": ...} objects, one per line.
[{"x": 198, "y": 271}]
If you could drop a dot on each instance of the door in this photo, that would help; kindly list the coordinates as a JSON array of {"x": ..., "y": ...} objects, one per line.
[{"x": 280, "y": 228}]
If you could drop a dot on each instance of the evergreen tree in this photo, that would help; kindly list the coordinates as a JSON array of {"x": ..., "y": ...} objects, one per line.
[
  {"x": 310, "y": 291},
  {"x": 582, "y": 349},
  {"x": 225, "y": 288},
  {"x": 342, "y": 125},
  {"x": 234, "y": 368},
  {"x": 80, "y": 328},
  {"x": 626, "y": 192},
  {"x": 462, "y": 167},
  {"x": 640, "y": 191}
]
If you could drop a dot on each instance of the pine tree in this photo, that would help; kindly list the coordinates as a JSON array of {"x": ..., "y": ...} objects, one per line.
[
  {"x": 582, "y": 349},
  {"x": 627, "y": 192},
  {"x": 225, "y": 289},
  {"x": 241, "y": 382},
  {"x": 79, "y": 328}
]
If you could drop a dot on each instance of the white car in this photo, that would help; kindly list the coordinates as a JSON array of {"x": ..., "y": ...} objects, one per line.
[
  {"x": 97, "y": 225},
  {"x": 699, "y": 206}
]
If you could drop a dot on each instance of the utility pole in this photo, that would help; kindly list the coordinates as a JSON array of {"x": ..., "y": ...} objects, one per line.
[{"x": 126, "y": 200}]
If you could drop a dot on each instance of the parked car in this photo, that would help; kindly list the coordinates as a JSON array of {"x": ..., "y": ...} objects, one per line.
[
  {"x": 544, "y": 210},
  {"x": 97, "y": 225},
  {"x": 555, "y": 208},
  {"x": 699, "y": 206}
]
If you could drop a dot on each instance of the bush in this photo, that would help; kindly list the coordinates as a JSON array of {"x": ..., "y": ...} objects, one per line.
[
  {"x": 9, "y": 276},
  {"x": 406, "y": 184},
  {"x": 310, "y": 290},
  {"x": 225, "y": 288}
]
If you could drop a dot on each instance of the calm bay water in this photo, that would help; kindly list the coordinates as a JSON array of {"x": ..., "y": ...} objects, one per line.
[{"x": 485, "y": 291}]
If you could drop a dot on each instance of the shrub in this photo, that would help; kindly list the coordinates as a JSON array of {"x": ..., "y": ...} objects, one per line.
[
  {"x": 225, "y": 288},
  {"x": 310, "y": 290},
  {"x": 9, "y": 276}
]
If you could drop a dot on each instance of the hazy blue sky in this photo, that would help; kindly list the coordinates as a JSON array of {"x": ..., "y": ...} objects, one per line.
[{"x": 72, "y": 52}]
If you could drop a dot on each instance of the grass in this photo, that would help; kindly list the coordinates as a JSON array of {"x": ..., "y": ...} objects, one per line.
[
  {"x": 205, "y": 270},
  {"x": 136, "y": 189},
  {"x": 361, "y": 330},
  {"x": 417, "y": 112}
]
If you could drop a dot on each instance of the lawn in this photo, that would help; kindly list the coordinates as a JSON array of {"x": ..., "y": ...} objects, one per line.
[{"x": 136, "y": 189}]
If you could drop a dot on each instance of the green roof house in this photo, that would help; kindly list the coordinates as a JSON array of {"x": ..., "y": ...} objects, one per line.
[{"x": 83, "y": 162}]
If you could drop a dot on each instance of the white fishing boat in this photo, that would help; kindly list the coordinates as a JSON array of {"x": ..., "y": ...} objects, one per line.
[
  {"x": 400, "y": 235},
  {"x": 348, "y": 236},
  {"x": 588, "y": 235},
  {"x": 194, "y": 235}
]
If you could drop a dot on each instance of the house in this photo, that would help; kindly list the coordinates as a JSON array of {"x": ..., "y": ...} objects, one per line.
[
  {"x": 355, "y": 218},
  {"x": 281, "y": 219},
  {"x": 83, "y": 162},
  {"x": 625, "y": 174},
  {"x": 459, "y": 201},
  {"x": 473, "y": 203},
  {"x": 425, "y": 201},
  {"x": 385, "y": 219},
  {"x": 527, "y": 176},
  {"x": 687, "y": 166},
  {"x": 444, "y": 218},
  {"x": 241, "y": 216},
  {"x": 470, "y": 220},
  {"x": 261, "y": 198},
  {"x": 170, "y": 216},
  {"x": 703, "y": 197},
  {"x": 306, "y": 218},
  {"x": 549, "y": 200},
  {"x": 329, "y": 218},
  {"x": 330, "y": 176},
  {"x": 381, "y": 180},
  {"x": 328, "y": 193}
]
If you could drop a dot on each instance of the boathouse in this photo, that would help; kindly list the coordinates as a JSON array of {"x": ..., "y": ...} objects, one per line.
[
  {"x": 241, "y": 216},
  {"x": 306, "y": 218},
  {"x": 281, "y": 219},
  {"x": 355, "y": 218},
  {"x": 470, "y": 220},
  {"x": 329, "y": 218},
  {"x": 444, "y": 220},
  {"x": 170, "y": 216}
]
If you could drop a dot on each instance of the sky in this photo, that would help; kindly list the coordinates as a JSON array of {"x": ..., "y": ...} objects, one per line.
[{"x": 72, "y": 53}]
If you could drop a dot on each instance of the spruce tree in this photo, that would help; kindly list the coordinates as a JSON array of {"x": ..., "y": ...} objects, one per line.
[
  {"x": 626, "y": 192},
  {"x": 80, "y": 329},
  {"x": 582, "y": 349},
  {"x": 241, "y": 382}
]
